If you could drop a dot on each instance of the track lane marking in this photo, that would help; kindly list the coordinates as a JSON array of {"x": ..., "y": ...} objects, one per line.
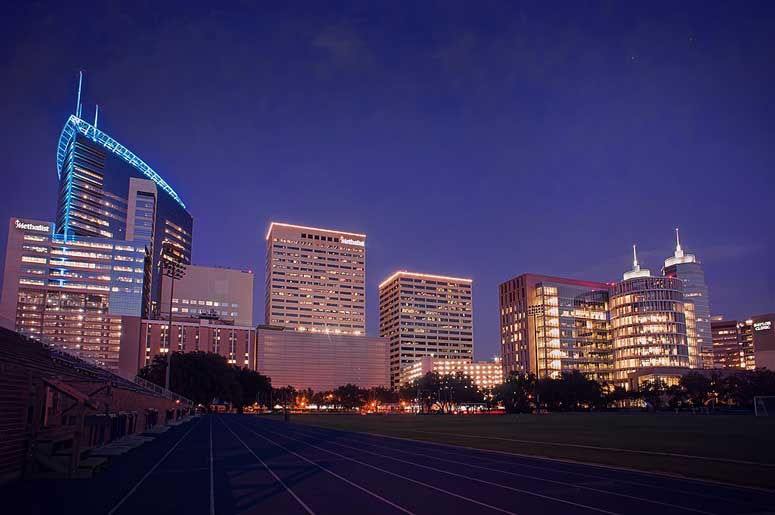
[
  {"x": 359, "y": 487},
  {"x": 659, "y": 476},
  {"x": 150, "y": 471},
  {"x": 277, "y": 478},
  {"x": 426, "y": 485},
  {"x": 483, "y": 481},
  {"x": 536, "y": 478}
]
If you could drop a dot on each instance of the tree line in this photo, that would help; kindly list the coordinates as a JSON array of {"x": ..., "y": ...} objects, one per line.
[{"x": 204, "y": 377}]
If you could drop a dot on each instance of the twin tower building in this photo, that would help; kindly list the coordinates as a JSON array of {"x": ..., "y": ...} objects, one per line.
[{"x": 93, "y": 282}]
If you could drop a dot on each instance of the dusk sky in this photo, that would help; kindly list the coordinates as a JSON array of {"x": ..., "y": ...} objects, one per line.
[{"x": 481, "y": 139}]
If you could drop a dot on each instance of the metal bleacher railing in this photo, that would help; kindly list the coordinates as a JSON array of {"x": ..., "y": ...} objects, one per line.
[{"x": 88, "y": 368}]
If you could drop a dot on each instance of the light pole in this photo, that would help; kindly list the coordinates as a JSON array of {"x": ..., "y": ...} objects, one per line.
[{"x": 172, "y": 267}]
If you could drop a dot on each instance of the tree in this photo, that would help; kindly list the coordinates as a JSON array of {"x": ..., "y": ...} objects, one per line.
[
  {"x": 516, "y": 393},
  {"x": 697, "y": 388},
  {"x": 350, "y": 396},
  {"x": 653, "y": 392}
]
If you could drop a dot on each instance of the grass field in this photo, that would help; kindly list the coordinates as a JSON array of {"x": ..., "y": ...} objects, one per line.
[{"x": 734, "y": 449}]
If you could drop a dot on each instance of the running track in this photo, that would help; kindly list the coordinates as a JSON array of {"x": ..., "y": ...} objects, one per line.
[{"x": 247, "y": 464}]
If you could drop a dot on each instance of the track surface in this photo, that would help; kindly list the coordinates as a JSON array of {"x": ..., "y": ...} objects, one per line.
[{"x": 246, "y": 464}]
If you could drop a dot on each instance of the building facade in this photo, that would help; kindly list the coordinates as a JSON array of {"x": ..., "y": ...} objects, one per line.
[
  {"x": 484, "y": 374},
  {"x": 689, "y": 270},
  {"x": 71, "y": 291},
  {"x": 321, "y": 361},
  {"x": 551, "y": 325},
  {"x": 744, "y": 344},
  {"x": 426, "y": 315},
  {"x": 142, "y": 340},
  {"x": 648, "y": 325},
  {"x": 222, "y": 293},
  {"x": 107, "y": 191},
  {"x": 315, "y": 279}
]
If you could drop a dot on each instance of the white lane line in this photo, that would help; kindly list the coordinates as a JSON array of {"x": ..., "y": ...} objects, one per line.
[
  {"x": 359, "y": 487},
  {"x": 566, "y": 461},
  {"x": 212, "y": 483},
  {"x": 536, "y": 478},
  {"x": 483, "y": 481},
  {"x": 599, "y": 448},
  {"x": 426, "y": 485},
  {"x": 134, "y": 488},
  {"x": 277, "y": 478}
]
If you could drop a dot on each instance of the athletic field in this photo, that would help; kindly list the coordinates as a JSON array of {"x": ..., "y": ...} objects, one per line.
[{"x": 730, "y": 448}]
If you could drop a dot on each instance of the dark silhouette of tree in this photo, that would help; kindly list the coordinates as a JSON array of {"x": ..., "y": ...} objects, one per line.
[{"x": 517, "y": 393}]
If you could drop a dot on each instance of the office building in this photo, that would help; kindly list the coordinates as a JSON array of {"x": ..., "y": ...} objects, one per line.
[
  {"x": 107, "y": 191},
  {"x": 71, "y": 291},
  {"x": 744, "y": 344},
  {"x": 484, "y": 374},
  {"x": 321, "y": 361},
  {"x": 689, "y": 270},
  {"x": 551, "y": 325},
  {"x": 425, "y": 315},
  {"x": 222, "y": 293},
  {"x": 315, "y": 279},
  {"x": 648, "y": 327},
  {"x": 142, "y": 340}
]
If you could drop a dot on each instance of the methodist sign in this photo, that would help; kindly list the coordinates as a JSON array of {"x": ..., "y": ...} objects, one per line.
[
  {"x": 348, "y": 241},
  {"x": 27, "y": 226}
]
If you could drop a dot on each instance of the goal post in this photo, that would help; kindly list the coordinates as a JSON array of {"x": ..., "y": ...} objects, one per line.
[{"x": 764, "y": 405}]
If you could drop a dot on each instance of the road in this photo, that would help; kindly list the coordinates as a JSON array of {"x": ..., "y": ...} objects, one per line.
[{"x": 244, "y": 464}]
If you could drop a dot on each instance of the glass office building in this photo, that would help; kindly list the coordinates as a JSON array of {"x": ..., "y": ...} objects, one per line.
[
  {"x": 551, "y": 325},
  {"x": 106, "y": 191},
  {"x": 688, "y": 269},
  {"x": 648, "y": 326}
]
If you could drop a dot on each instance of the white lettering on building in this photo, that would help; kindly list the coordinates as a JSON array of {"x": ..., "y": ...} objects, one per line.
[
  {"x": 762, "y": 326},
  {"x": 25, "y": 226},
  {"x": 348, "y": 241}
]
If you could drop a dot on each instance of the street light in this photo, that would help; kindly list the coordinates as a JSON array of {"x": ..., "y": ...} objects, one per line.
[{"x": 172, "y": 267}]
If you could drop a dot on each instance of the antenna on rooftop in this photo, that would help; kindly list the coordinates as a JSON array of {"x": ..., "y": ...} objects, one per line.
[
  {"x": 78, "y": 103},
  {"x": 96, "y": 115}
]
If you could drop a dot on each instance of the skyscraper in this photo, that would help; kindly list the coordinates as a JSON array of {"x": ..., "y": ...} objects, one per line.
[
  {"x": 315, "y": 279},
  {"x": 648, "y": 327},
  {"x": 551, "y": 325},
  {"x": 425, "y": 315},
  {"x": 107, "y": 191},
  {"x": 688, "y": 269}
]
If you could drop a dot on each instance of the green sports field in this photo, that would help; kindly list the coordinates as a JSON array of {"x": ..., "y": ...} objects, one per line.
[{"x": 729, "y": 448}]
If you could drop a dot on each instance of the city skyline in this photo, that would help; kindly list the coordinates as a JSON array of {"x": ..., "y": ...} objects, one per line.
[{"x": 373, "y": 166}]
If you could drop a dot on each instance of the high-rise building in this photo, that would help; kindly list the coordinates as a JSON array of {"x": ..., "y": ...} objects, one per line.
[
  {"x": 315, "y": 279},
  {"x": 744, "y": 344},
  {"x": 425, "y": 315},
  {"x": 213, "y": 292},
  {"x": 689, "y": 270},
  {"x": 107, "y": 191},
  {"x": 551, "y": 325},
  {"x": 485, "y": 374},
  {"x": 321, "y": 361},
  {"x": 648, "y": 327},
  {"x": 71, "y": 291}
]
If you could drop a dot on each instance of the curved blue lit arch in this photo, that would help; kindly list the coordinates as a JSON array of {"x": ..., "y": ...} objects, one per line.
[{"x": 75, "y": 125}]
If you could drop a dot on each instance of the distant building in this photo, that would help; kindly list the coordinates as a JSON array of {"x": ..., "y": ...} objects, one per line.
[
  {"x": 687, "y": 268},
  {"x": 551, "y": 325},
  {"x": 485, "y": 374},
  {"x": 222, "y": 293},
  {"x": 315, "y": 279},
  {"x": 71, "y": 291},
  {"x": 321, "y": 361},
  {"x": 648, "y": 326},
  {"x": 745, "y": 344},
  {"x": 424, "y": 315},
  {"x": 142, "y": 340}
]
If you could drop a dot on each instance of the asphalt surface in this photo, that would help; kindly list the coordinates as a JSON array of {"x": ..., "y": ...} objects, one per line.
[{"x": 250, "y": 464}]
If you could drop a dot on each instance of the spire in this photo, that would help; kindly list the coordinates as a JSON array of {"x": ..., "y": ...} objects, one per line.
[
  {"x": 78, "y": 103},
  {"x": 636, "y": 271},
  {"x": 96, "y": 115},
  {"x": 635, "y": 265},
  {"x": 679, "y": 253}
]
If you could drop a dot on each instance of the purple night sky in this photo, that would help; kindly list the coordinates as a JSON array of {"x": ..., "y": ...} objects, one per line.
[{"x": 484, "y": 139}]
